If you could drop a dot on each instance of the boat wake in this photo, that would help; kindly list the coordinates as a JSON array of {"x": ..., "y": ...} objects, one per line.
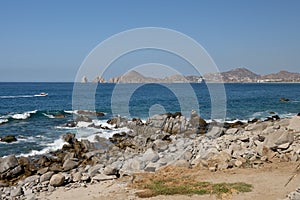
[{"x": 19, "y": 96}]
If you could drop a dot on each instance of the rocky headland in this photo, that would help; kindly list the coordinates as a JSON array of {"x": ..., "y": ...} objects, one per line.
[
  {"x": 238, "y": 75},
  {"x": 162, "y": 140}
]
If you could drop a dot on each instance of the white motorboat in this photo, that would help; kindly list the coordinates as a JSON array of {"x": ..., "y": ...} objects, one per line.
[{"x": 42, "y": 94}]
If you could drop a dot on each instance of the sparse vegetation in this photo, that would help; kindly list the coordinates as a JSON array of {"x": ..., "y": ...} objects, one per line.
[{"x": 154, "y": 185}]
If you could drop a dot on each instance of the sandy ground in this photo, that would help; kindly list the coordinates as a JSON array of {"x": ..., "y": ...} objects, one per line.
[{"x": 268, "y": 183}]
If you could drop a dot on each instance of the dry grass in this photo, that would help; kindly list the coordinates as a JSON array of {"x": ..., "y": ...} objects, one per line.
[{"x": 172, "y": 181}]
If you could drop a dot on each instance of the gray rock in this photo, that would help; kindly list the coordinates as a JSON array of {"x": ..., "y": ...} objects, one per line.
[
  {"x": 8, "y": 162},
  {"x": 103, "y": 177},
  {"x": 232, "y": 131},
  {"x": 294, "y": 123},
  {"x": 95, "y": 170},
  {"x": 69, "y": 164},
  {"x": 32, "y": 179},
  {"x": 85, "y": 177},
  {"x": 77, "y": 177},
  {"x": 16, "y": 192},
  {"x": 42, "y": 171},
  {"x": 46, "y": 177},
  {"x": 278, "y": 138},
  {"x": 157, "y": 121},
  {"x": 57, "y": 180},
  {"x": 110, "y": 170},
  {"x": 215, "y": 131},
  {"x": 150, "y": 156},
  {"x": 181, "y": 163}
]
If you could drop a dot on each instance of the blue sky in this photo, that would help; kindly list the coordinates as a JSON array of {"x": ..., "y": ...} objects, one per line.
[{"x": 48, "y": 40}]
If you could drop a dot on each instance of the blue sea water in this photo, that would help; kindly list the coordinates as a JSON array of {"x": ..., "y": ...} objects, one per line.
[{"x": 30, "y": 118}]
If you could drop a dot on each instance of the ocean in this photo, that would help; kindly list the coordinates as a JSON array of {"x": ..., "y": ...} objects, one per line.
[{"x": 32, "y": 118}]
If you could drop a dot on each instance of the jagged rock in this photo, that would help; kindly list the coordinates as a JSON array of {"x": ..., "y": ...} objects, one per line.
[
  {"x": 294, "y": 123},
  {"x": 83, "y": 118},
  {"x": 69, "y": 138},
  {"x": 118, "y": 121},
  {"x": 18, "y": 191},
  {"x": 32, "y": 179},
  {"x": 57, "y": 180},
  {"x": 95, "y": 170},
  {"x": 69, "y": 164},
  {"x": 215, "y": 131},
  {"x": 150, "y": 156},
  {"x": 110, "y": 170},
  {"x": 157, "y": 121},
  {"x": 46, "y": 177},
  {"x": 231, "y": 131},
  {"x": 8, "y": 139},
  {"x": 278, "y": 138},
  {"x": 77, "y": 177},
  {"x": 9, "y": 167}
]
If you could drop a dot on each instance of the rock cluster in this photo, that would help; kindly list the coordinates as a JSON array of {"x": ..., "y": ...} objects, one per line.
[{"x": 168, "y": 139}]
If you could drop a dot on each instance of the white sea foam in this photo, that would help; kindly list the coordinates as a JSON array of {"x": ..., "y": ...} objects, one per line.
[
  {"x": 70, "y": 111},
  {"x": 57, "y": 144},
  {"x": 19, "y": 96},
  {"x": 2, "y": 121},
  {"x": 49, "y": 116},
  {"x": 24, "y": 115}
]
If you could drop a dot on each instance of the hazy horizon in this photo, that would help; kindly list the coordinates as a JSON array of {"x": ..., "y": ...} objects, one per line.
[{"x": 48, "y": 41}]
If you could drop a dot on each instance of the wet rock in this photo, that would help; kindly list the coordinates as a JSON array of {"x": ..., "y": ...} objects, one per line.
[
  {"x": 59, "y": 116},
  {"x": 83, "y": 118},
  {"x": 71, "y": 124},
  {"x": 57, "y": 180},
  {"x": 8, "y": 139},
  {"x": 69, "y": 138},
  {"x": 284, "y": 99},
  {"x": 118, "y": 121}
]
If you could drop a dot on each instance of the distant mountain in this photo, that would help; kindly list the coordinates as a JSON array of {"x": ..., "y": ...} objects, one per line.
[
  {"x": 238, "y": 75},
  {"x": 282, "y": 76},
  {"x": 135, "y": 77}
]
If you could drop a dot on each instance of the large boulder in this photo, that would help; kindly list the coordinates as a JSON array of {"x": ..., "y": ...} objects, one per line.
[
  {"x": 9, "y": 167},
  {"x": 57, "y": 180},
  {"x": 294, "y": 123},
  {"x": 83, "y": 118},
  {"x": 8, "y": 162},
  {"x": 278, "y": 138},
  {"x": 157, "y": 121},
  {"x": 118, "y": 121},
  {"x": 69, "y": 164}
]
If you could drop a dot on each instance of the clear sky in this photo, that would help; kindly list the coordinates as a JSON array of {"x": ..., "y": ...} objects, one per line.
[{"x": 48, "y": 40}]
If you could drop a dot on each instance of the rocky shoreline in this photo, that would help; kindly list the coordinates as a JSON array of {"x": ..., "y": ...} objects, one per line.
[{"x": 163, "y": 140}]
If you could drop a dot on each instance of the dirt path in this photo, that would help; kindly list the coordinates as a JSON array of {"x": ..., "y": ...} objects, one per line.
[{"x": 268, "y": 183}]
